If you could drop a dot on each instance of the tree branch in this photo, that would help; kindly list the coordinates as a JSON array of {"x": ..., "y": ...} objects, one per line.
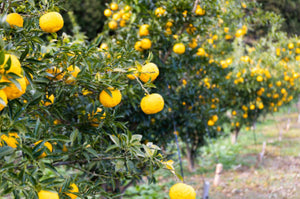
[
  {"x": 195, "y": 6},
  {"x": 61, "y": 163},
  {"x": 123, "y": 189},
  {"x": 3, "y": 6},
  {"x": 170, "y": 50}
]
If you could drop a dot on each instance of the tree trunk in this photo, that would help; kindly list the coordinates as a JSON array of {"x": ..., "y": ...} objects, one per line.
[
  {"x": 190, "y": 158},
  {"x": 234, "y": 135}
]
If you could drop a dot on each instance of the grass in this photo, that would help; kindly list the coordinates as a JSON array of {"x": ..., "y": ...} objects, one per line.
[{"x": 242, "y": 178}]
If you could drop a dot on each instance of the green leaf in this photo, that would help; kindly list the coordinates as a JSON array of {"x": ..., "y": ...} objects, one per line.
[
  {"x": 8, "y": 166},
  {"x": 135, "y": 138},
  {"x": 92, "y": 151},
  {"x": 6, "y": 150},
  {"x": 59, "y": 137},
  {"x": 52, "y": 168},
  {"x": 24, "y": 54},
  {"x": 16, "y": 83},
  {"x": 74, "y": 135},
  {"x": 119, "y": 165},
  {"x": 2, "y": 58},
  {"x": 31, "y": 3},
  {"x": 37, "y": 127},
  {"x": 115, "y": 140},
  {"x": 111, "y": 147},
  {"x": 7, "y": 64},
  {"x": 150, "y": 57}
]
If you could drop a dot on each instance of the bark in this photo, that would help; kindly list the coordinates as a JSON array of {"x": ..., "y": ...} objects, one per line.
[
  {"x": 190, "y": 158},
  {"x": 234, "y": 135}
]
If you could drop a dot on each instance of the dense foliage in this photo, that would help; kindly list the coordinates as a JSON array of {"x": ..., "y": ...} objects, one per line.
[{"x": 85, "y": 113}]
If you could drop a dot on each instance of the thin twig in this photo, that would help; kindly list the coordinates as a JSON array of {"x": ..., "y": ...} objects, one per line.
[
  {"x": 3, "y": 6},
  {"x": 137, "y": 79}
]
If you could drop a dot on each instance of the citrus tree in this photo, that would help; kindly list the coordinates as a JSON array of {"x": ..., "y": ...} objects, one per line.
[
  {"x": 195, "y": 45},
  {"x": 62, "y": 134}
]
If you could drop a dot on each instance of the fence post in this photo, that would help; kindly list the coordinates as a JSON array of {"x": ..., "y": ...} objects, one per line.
[
  {"x": 205, "y": 190},
  {"x": 217, "y": 178}
]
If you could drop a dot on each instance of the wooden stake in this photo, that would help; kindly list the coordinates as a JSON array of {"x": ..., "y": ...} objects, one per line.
[
  {"x": 217, "y": 178},
  {"x": 289, "y": 121},
  {"x": 261, "y": 154},
  {"x": 280, "y": 134},
  {"x": 205, "y": 190}
]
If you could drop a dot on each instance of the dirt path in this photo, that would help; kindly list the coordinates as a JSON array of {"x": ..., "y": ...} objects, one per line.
[{"x": 278, "y": 176}]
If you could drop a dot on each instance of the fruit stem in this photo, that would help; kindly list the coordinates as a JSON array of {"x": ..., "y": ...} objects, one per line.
[{"x": 146, "y": 91}]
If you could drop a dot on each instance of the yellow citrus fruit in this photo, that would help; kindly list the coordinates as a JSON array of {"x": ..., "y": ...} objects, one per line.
[
  {"x": 74, "y": 72},
  {"x": 73, "y": 189},
  {"x": 159, "y": 11},
  {"x": 56, "y": 73},
  {"x": 244, "y": 29},
  {"x": 182, "y": 191},
  {"x": 15, "y": 66},
  {"x": 193, "y": 44},
  {"x": 199, "y": 11},
  {"x": 126, "y": 16},
  {"x": 133, "y": 73},
  {"x": 14, "y": 19},
  {"x": 113, "y": 25},
  {"x": 233, "y": 112},
  {"x": 179, "y": 48},
  {"x": 112, "y": 100},
  {"x": 259, "y": 78},
  {"x": 215, "y": 118},
  {"x": 122, "y": 23},
  {"x": 47, "y": 195},
  {"x": 51, "y": 22},
  {"x": 12, "y": 91},
  {"x": 290, "y": 45},
  {"x": 169, "y": 24},
  {"x": 227, "y": 37},
  {"x": 95, "y": 121},
  {"x": 168, "y": 31},
  {"x": 200, "y": 52},
  {"x": 107, "y": 12},
  {"x": 116, "y": 16},
  {"x": 210, "y": 123},
  {"x": 50, "y": 98},
  {"x": 152, "y": 103},
  {"x": 4, "y": 99},
  {"x": 46, "y": 144},
  {"x": 65, "y": 149},
  {"x": 127, "y": 8},
  {"x": 10, "y": 140},
  {"x": 149, "y": 72},
  {"x": 104, "y": 46},
  {"x": 239, "y": 33},
  {"x": 146, "y": 43},
  {"x": 86, "y": 92},
  {"x": 114, "y": 6},
  {"x": 143, "y": 31},
  {"x": 138, "y": 46}
]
